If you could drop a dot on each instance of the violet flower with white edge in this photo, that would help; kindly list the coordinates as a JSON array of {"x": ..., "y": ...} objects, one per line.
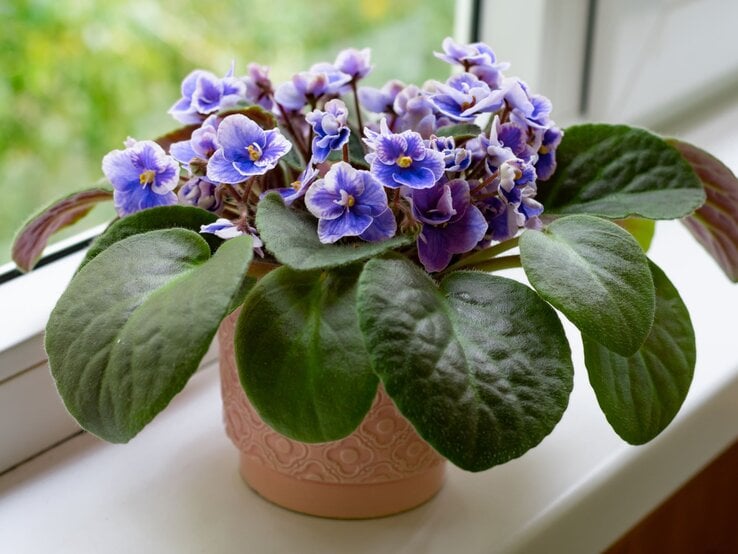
[
  {"x": 456, "y": 159},
  {"x": 348, "y": 203},
  {"x": 476, "y": 58},
  {"x": 201, "y": 193},
  {"x": 546, "y": 164},
  {"x": 353, "y": 62},
  {"x": 203, "y": 94},
  {"x": 142, "y": 175},
  {"x": 202, "y": 144},
  {"x": 259, "y": 88},
  {"x": 526, "y": 110},
  {"x": 222, "y": 228},
  {"x": 451, "y": 223},
  {"x": 415, "y": 112},
  {"x": 298, "y": 187},
  {"x": 464, "y": 97},
  {"x": 330, "y": 126},
  {"x": 402, "y": 159},
  {"x": 307, "y": 87},
  {"x": 380, "y": 100},
  {"x": 245, "y": 150}
]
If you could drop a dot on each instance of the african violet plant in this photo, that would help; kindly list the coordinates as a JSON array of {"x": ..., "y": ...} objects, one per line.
[{"x": 381, "y": 214}]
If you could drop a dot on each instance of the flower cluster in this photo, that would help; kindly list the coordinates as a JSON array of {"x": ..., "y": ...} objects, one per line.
[{"x": 457, "y": 162}]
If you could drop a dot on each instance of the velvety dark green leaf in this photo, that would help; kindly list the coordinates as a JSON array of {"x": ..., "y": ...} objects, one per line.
[
  {"x": 301, "y": 356},
  {"x": 642, "y": 393},
  {"x": 597, "y": 275},
  {"x": 480, "y": 366},
  {"x": 161, "y": 217},
  {"x": 460, "y": 131},
  {"x": 641, "y": 229},
  {"x": 617, "y": 171},
  {"x": 32, "y": 238},
  {"x": 293, "y": 239},
  {"x": 135, "y": 322},
  {"x": 714, "y": 224}
]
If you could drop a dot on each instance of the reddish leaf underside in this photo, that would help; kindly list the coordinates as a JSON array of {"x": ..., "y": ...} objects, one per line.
[
  {"x": 31, "y": 240},
  {"x": 715, "y": 224}
]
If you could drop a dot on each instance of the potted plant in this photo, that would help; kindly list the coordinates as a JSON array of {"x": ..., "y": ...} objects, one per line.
[{"x": 344, "y": 238}]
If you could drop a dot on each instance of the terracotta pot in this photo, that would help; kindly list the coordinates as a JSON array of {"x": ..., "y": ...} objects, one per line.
[{"x": 382, "y": 468}]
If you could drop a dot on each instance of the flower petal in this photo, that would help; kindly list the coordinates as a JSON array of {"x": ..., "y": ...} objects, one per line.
[{"x": 221, "y": 170}]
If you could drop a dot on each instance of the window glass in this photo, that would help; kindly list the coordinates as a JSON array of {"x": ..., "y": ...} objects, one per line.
[{"x": 79, "y": 76}]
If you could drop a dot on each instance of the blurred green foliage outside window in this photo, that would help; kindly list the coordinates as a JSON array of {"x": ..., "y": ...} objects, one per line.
[{"x": 79, "y": 76}]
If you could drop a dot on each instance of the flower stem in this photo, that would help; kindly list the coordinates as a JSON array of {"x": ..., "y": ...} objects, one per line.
[
  {"x": 291, "y": 129},
  {"x": 358, "y": 107},
  {"x": 346, "y": 153},
  {"x": 486, "y": 254},
  {"x": 496, "y": 264}
]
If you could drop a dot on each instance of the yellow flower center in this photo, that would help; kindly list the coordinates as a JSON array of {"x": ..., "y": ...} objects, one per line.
[
  {"x": 350, "y": 201},
  {"x": 296, "y": 185},
  {"x": 543, "y": 150},
  {"x": 147, "y": 177},
  {"x": 254, "y": 152},
  {"x": 404, "y": 161}
]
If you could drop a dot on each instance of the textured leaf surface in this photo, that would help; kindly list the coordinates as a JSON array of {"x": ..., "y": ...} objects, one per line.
[
  {"x": 596, "y": 274},
  {"x": 293, "y": 239},
  {"x": 459, "y": 132},
  {"x": 480, "y": 366},
  {"x": 642, "y": 393},
  {"x": 135, "y": 322},
  {"x": 31, "y": 240},
  {"x": 617, "y": 171},
  {"x": 715, "y": 224},
  {"x": 162, "y": 217},
  {"x": 301, "y": 356}
]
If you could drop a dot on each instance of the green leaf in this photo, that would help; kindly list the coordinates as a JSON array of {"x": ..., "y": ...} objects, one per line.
[
  {"x": 641, "y": 229},
  {"x": 597, "y": 275},
  {"x": 301, "y": 356},
  {"x": 461, "y": 131},
  {"x": 480, "y": 366},
  {"x": 714, "y": 224},
  {"x": 616, "y": 171},
  {"x": 161, "y": 217},
  {"x": 293, "y": 239},
  {"x": 134, "y": 323},
  {"x": 32, "y": 238},
  {"x": 642, "y": 393}
]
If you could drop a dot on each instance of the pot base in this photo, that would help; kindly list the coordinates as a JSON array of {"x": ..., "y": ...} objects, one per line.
[{"x": 342, "y": 500}]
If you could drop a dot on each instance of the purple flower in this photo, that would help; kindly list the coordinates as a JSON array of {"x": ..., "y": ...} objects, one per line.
[
  {"x": 258, "y": 86},
  {"x": 451, "y": 224},
  {"x": 414, "y": 112},
  {"x": 245, "y": 150},
  {"x": 464, "y": 97},
  {"x": 308, "y": 86},
  {"x": 203, "y": 93},
  {"x": 330, "y": 127},
  {"x": 380, "y": 100},
  {"x": 202, "y": 144},
  {"x": 476, "y": 58},
  {"x": 402, "y": 159},
  {"x": 348, "y": 203},
  {"x": 222, "y": 228},
  {"x": 226, "y": 229},
  {"x": 354, "y": 62},
  {"x": 142, "y": 175},
  {"x": 546, "y": 164},
  {"x": 298, "y": 187},
  {"x": 455, "y": 159},
  {"x": 201, "y": 193},
  {"x": 526, "y": 110}
]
